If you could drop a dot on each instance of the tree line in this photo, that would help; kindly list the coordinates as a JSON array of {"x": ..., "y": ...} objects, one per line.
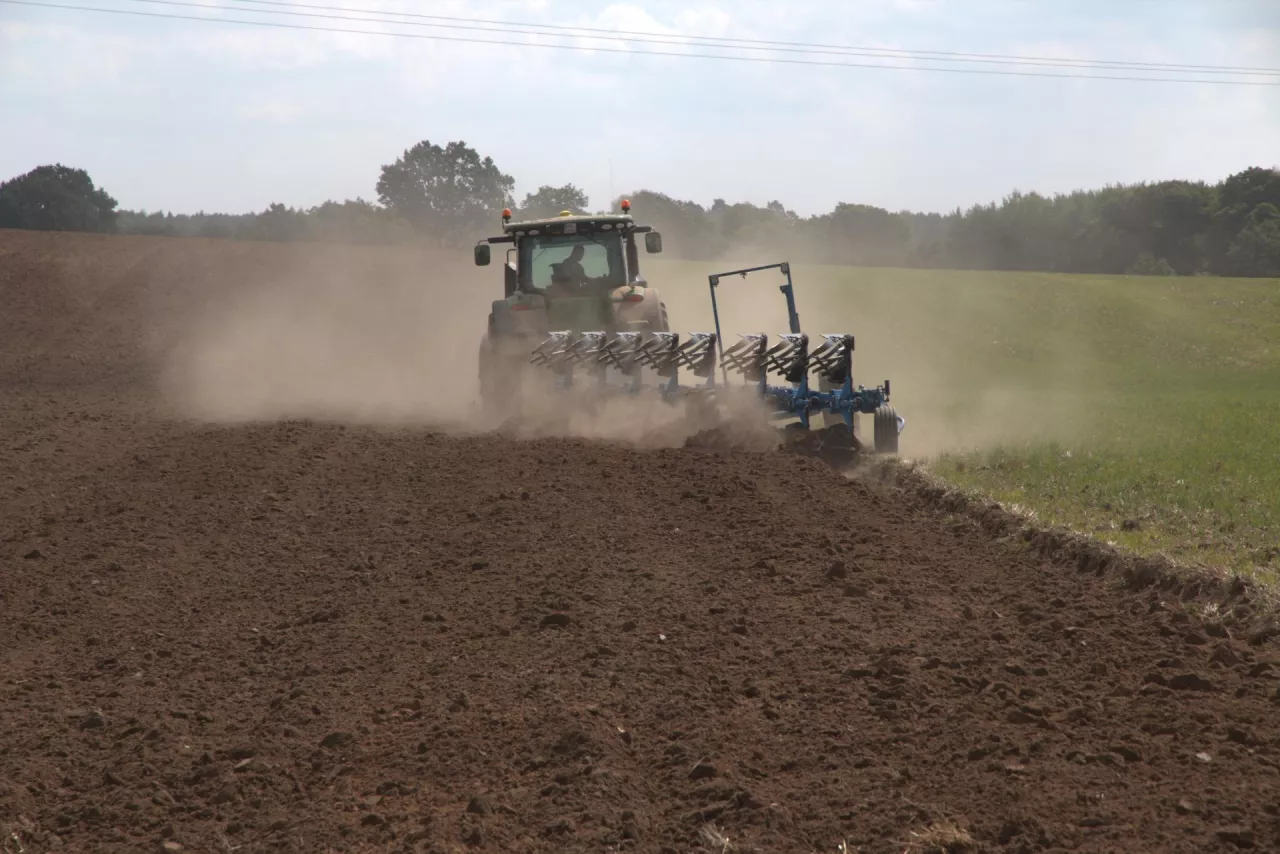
[{"x": 449, "y": 196}]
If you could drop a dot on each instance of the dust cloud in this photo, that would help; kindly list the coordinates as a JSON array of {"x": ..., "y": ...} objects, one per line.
[
  {"x": 385, "y": 337},
  {"x": 389, "y": 336},
  {"x": 645, "y": 420},
  {"x": 938, "y": 342},
  {"x": 358, "y": 335}
]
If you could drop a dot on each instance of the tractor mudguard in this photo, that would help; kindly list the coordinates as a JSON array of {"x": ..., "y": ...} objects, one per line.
[
  {"x": 500, "y": 318},
  {"x": 638, "y": 308},
  {"x": 521, "y": 315}
]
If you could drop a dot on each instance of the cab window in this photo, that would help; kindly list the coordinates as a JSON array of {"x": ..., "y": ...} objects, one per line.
[{"x": 602, "y": 257}]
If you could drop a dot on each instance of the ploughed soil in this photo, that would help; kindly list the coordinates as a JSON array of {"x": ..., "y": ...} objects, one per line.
[{"x": 313, "y": 636}]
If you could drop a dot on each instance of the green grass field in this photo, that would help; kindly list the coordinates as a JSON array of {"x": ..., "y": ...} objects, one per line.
[{"x": 1145, "y": 411}]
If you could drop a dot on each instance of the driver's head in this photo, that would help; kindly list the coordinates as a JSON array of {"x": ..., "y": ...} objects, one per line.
[{"x": 576, "y": 253}]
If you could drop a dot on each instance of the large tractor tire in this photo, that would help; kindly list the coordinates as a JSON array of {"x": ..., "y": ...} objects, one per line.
[{"x": 499, "y": 380}]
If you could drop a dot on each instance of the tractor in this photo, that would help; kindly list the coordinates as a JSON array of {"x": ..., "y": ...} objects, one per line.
[{"x": 564, "y": 273}]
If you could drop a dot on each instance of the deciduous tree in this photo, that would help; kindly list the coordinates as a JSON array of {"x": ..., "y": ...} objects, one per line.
[
  {"x": 550, "y": 201},
  {"x": 56, "y": 198},
  {"x": 447, "y": 192}
]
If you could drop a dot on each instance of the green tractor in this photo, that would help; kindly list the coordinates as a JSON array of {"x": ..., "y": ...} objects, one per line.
[{"x": 564, "y": 274}]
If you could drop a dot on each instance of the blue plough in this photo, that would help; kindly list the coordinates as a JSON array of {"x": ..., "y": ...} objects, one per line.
[{"x": 830, "y": 392}]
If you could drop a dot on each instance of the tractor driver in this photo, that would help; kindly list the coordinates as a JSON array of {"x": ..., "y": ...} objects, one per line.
[
  {"x": 572, "y": 266},
  {"x": 569, "y": 275}
]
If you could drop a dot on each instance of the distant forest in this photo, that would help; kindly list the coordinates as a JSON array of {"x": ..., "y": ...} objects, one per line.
[{"x": 449, "y": 196}]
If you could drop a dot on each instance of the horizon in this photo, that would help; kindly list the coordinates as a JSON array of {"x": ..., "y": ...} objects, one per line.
[{"x": 595, "y": 209}]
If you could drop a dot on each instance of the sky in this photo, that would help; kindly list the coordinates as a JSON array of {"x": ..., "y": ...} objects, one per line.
[{"x": 189, "y": 115}]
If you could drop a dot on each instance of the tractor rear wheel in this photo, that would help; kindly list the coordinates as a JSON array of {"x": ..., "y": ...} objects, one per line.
[
  {"x": 497, "y": 380},
  {"x": 886, "y": 430}
]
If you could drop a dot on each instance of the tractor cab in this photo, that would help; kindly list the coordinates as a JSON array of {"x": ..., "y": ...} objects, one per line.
[{"x": 577, "y": 271}]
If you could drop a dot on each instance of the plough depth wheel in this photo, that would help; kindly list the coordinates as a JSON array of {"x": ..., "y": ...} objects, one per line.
[{"x": 886, "y": 427}]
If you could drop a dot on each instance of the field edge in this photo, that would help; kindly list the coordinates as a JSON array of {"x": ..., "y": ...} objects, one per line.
[{"x": 1243, "y": 604}]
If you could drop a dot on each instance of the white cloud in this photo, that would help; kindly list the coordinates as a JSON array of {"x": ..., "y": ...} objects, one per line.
[
  {"x": 20, "y": 66},
  {"x": 276, "y": 110}
]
